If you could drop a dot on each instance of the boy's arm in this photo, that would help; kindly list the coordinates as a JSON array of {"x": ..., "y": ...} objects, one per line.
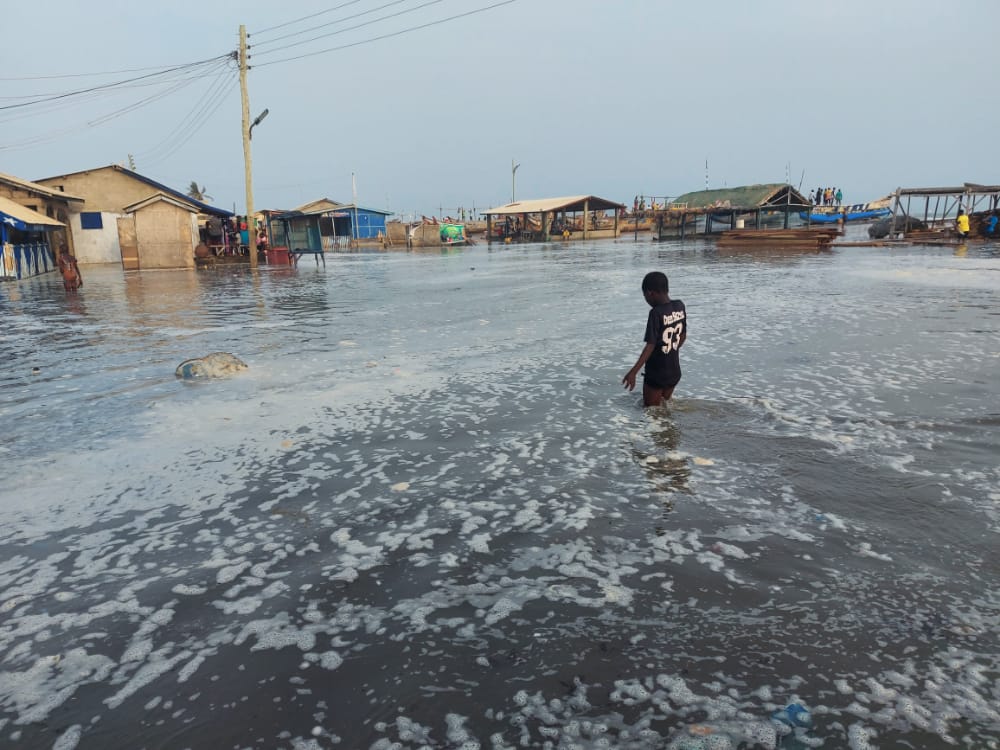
[{"x": 629, "y": 379}]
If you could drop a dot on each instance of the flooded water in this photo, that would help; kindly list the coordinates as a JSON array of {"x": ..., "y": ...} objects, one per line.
[{"x": 429, "y": 516}]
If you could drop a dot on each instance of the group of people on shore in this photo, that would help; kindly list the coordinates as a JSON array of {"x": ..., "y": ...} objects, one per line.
[{"x": 827, "y": 197}]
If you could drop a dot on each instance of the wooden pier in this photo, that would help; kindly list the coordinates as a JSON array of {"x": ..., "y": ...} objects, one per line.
[
  {"x": 978, "y": 201},
  {"x": 779, "y": 239}
]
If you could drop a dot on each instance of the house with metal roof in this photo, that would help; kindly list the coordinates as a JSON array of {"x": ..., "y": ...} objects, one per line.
[
  {"x": 33, "y": 227},
  {"x": 570, "y": 217},
  {"x": 325, "y": 225},
  {"x": 107, "y": 192}
]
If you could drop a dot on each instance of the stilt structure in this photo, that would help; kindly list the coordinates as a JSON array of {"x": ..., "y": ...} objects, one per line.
[{"x": 972, "y": 198}]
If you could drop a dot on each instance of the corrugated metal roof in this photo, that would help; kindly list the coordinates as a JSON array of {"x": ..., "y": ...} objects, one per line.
[
  {"x": 26, "y": 215},
  {"x": 202, "y": 207},
  {"x": 339, "y": 208},
  {"x": 566, "y": 203},
  {"x": 323, "y": 204},
  {"x": 187, "y": 205},
  {"x": 34, "y": 187}
]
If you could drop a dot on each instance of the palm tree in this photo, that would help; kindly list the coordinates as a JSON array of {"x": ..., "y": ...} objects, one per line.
[{"x": 198, "y": 193}]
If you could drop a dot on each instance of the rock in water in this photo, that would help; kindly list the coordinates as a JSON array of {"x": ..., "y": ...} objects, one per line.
[
  {"x": 214, "y": 365},
  {"x": 884, "y": 227}
]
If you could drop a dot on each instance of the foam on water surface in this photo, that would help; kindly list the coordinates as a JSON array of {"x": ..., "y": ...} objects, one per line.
[{"x": 499, "y": 550}]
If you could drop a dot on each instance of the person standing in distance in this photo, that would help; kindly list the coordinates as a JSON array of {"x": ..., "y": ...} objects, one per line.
[
  {"x": 962, "y": 224},
  {"x": 666, "y": 332}
]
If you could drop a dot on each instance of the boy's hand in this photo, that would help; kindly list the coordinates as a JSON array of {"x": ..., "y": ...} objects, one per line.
[{"x": 629, "y": 380}]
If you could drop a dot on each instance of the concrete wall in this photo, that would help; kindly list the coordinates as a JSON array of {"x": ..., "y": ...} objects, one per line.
[
  {"x": 97, "y": 245},
  {"x": 166, "y": 235},
  {"x": 104, "y": 189}
]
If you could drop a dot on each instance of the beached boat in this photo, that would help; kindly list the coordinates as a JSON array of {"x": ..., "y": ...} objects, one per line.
[
  {"x": 857, "y": 212},
  {"x": 452, "y": 234}
]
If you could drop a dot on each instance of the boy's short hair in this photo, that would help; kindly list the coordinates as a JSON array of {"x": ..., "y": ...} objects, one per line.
[{"x": 656, "y": 281}]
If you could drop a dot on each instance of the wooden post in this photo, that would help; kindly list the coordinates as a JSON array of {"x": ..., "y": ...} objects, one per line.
[
  {"x": 618, "y": 213},
  {"x": 683, "y": 222},
  {"x": 586, "y": 217},
  {"x": 247, "y": 168},
  {"x": 489, "y": 229}
]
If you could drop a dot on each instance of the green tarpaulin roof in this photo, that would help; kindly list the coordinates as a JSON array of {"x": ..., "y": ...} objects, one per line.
[{"x": 746, "y": 196}]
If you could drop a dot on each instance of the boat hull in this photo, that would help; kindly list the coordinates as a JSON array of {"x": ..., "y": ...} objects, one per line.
[{"x": 833, "y": 218}]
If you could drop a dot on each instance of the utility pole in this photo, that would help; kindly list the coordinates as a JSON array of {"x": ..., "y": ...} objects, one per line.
[
  {"x": 248, "y": 171},
  {"x": 513, "y": 177}
]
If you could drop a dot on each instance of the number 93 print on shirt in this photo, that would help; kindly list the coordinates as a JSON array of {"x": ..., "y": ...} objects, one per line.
[{"x": 666, "y": 329}]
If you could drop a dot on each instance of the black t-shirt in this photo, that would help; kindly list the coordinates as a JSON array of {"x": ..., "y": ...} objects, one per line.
[{"x": 666, "y": 326}]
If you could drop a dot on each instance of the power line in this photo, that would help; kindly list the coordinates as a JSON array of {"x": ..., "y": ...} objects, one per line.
[
  {"x": 139, "y": 104},
  {"x": 41, "y": 138},
  {"x": 386, "y": 36},
  {"x": 304, "y": 18},
  {"x": 46, "y": 108},
  {"x": 194, "y": 120},
  {"x": 350, "y": 28},
  {"x": 197, "y": 70},
  {"x": 195, "y": 126},
  {"x": 290, "y": 34},
  {"x": 115, "y": 84},
  {"x": 82, "y": 75},
  {"x": 188, "y": 121}
]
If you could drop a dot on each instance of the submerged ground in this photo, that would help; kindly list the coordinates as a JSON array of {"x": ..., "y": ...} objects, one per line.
[{"x": 428, "y": 515}]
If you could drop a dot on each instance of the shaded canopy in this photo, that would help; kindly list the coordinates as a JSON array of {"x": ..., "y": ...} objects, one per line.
[
  {"x": 968, "y": 187},
  {"x": 15, "y": 215},
  {"x": 569, "y": 204}
]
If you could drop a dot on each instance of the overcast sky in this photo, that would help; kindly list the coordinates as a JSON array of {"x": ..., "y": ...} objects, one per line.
[{"x": 606, "y": 98}]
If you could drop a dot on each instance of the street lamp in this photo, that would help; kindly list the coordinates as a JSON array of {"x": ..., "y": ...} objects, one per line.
[
  {"x": 513, "y": 173},
  {"x": 258, "y": 121}
]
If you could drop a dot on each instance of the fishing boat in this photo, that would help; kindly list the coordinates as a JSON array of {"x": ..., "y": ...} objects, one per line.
[
  {"x": 857, "y": 212},
  {"x": 452, "y": 234}
]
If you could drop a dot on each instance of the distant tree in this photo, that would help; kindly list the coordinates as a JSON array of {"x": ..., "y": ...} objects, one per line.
[{"x": 198, "y": 193}]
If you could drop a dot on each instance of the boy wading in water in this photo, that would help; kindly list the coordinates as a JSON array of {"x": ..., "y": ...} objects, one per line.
[
  {"x": 666, "y": 331},
  {"x": 70, "y": 270}
]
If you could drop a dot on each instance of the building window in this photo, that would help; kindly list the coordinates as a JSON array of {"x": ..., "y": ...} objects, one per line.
[{"x": 91, "y": 220}]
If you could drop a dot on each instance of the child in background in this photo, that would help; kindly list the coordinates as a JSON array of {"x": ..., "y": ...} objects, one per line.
[
  {"x": 70, "y": 270},
  {"x": 666, "y": 332}
]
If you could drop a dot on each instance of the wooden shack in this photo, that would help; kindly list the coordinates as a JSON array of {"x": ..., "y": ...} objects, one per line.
[{"x": 165, "y": 231}]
